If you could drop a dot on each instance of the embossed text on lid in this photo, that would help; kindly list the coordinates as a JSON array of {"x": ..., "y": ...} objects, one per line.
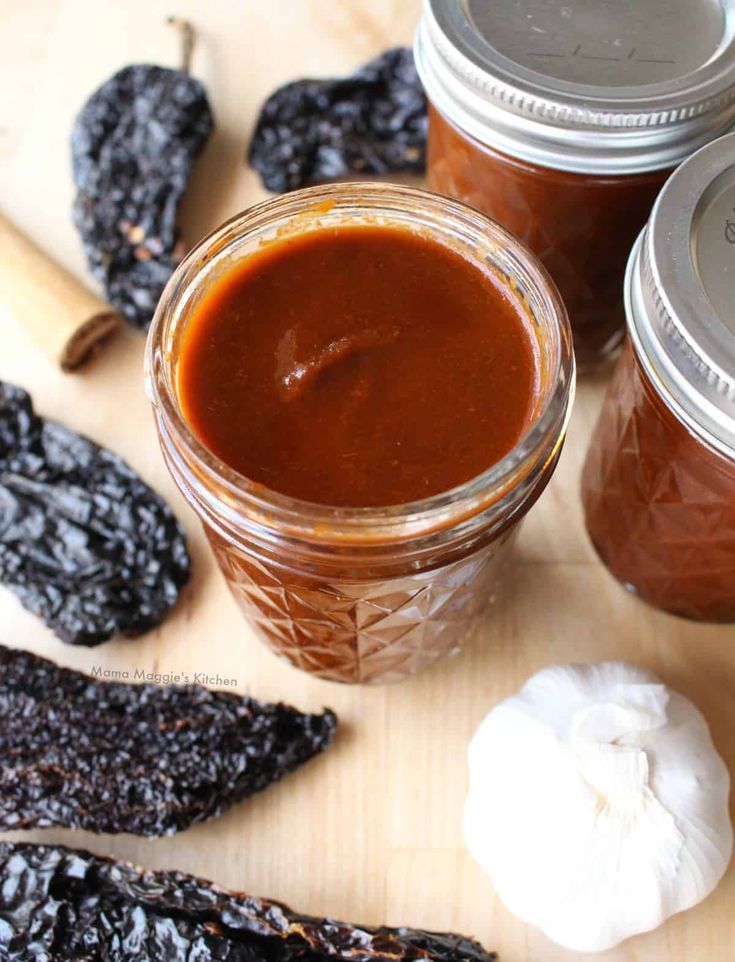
[
  {"x": 598, "y": 86},
  {"x": 603, "y": 42},
  {"x": 714, "y": 246}
]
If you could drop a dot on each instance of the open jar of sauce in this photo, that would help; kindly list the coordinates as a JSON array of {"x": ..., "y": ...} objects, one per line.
[
  {"x": 658, "y": 484},
  {"x": 562, "y": 120},
  {"x": 361, "y": 390}
]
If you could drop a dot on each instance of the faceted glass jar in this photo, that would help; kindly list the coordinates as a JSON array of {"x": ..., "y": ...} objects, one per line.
[
  {"x": 581, "y": 226},
  {"x": 364, "y": 594},
  {"x": 659, "y": 501}
]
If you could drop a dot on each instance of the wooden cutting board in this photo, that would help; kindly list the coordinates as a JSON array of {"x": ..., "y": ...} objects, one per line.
[{"x": 371, "y": 831}]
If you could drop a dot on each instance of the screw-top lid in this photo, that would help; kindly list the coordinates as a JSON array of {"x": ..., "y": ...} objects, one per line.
[
  {"x": 680, "y": 293},
  {"x": 595, "y": 86}
]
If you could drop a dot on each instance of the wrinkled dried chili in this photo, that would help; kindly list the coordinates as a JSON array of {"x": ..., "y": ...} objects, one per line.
[
  {"x": 134, "y": 144},
  {"x": 85, "y": 544},
  {"x": 146, "y": 759},
  {"x": 61, "y": 905},
  {"x": 372, "y": 122}
]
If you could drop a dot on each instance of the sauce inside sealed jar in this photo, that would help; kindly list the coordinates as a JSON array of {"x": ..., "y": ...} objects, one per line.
[
  {"x": 581, "y": 226},
  {"x": 358, "y": 367},
  {"x": 660, "y": 503}
]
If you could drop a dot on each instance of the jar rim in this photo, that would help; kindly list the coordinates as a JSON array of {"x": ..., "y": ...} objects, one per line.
[{"x": 373, "y": 524}]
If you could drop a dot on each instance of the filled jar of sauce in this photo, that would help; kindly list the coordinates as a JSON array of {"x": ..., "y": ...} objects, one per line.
[
  {"x": 562, "y": 119},
  {"x": 361, "y": 390},
  {"x": 658, "y": 484}
]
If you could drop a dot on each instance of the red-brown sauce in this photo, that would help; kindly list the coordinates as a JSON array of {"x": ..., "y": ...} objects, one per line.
[
  {"x": 660, "y": 503},
  {"x": 358, "y": 366},
  {"x": 581, "y": 226}
]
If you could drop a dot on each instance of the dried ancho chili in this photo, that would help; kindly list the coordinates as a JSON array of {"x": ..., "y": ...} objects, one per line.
[
  {"x": 147, "y": 759},
  {"x": 134, "y": 144},
  {"x": 62, "y": 905},
  {"x": 373, "y": 122},
  {"x": 85, "y": 544}
]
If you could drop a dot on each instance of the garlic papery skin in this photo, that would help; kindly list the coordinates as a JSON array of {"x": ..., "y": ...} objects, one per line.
[{"x": 598, "y": 804}]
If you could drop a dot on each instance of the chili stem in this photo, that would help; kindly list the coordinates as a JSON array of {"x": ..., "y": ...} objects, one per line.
[{"x": 187, "y": 40}]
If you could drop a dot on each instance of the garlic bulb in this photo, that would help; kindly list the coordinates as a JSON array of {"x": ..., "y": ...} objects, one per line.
[{"x": 597, "y": 804}]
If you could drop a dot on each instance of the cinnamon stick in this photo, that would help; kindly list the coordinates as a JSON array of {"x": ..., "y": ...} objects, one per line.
[{"x": 67, "y": 321}]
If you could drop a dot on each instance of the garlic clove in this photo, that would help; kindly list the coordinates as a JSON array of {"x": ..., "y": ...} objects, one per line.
[{"x": 597, "y": 804}]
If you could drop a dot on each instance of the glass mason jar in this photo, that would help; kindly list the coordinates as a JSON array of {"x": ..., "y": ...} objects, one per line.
[
  {"x": 658, "y": 484},
  {"x": 363, "y": 594},
  {"x": 562, "y": 121}
]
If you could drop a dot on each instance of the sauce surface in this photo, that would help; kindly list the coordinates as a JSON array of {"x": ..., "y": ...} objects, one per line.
[{"x": 358, "y": 366}]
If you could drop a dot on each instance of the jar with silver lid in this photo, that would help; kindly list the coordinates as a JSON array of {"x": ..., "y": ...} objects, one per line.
[
  {"x": 658, "y": 485},
  {"x": 562, "y": 119}
]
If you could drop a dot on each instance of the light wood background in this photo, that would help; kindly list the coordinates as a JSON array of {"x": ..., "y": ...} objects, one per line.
[{"x": 370, "y": 831}]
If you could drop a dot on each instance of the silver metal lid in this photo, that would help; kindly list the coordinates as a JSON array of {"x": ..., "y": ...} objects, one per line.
[
  {"x": 680, "y": 293},
  {"x": 595, "y": 86}
]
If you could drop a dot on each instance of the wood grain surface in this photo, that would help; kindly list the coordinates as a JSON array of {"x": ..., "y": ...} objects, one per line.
[{"x": 370, "y": 831}]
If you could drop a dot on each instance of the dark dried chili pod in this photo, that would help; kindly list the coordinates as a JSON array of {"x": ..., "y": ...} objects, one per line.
[
  {"x": 134, "y": 144},
  {"x": 62, "y": 905},
  {"x": 85, "y": 544},
  {"x": 147, "y": 759},
  {"x": 373, "y": 122}
]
